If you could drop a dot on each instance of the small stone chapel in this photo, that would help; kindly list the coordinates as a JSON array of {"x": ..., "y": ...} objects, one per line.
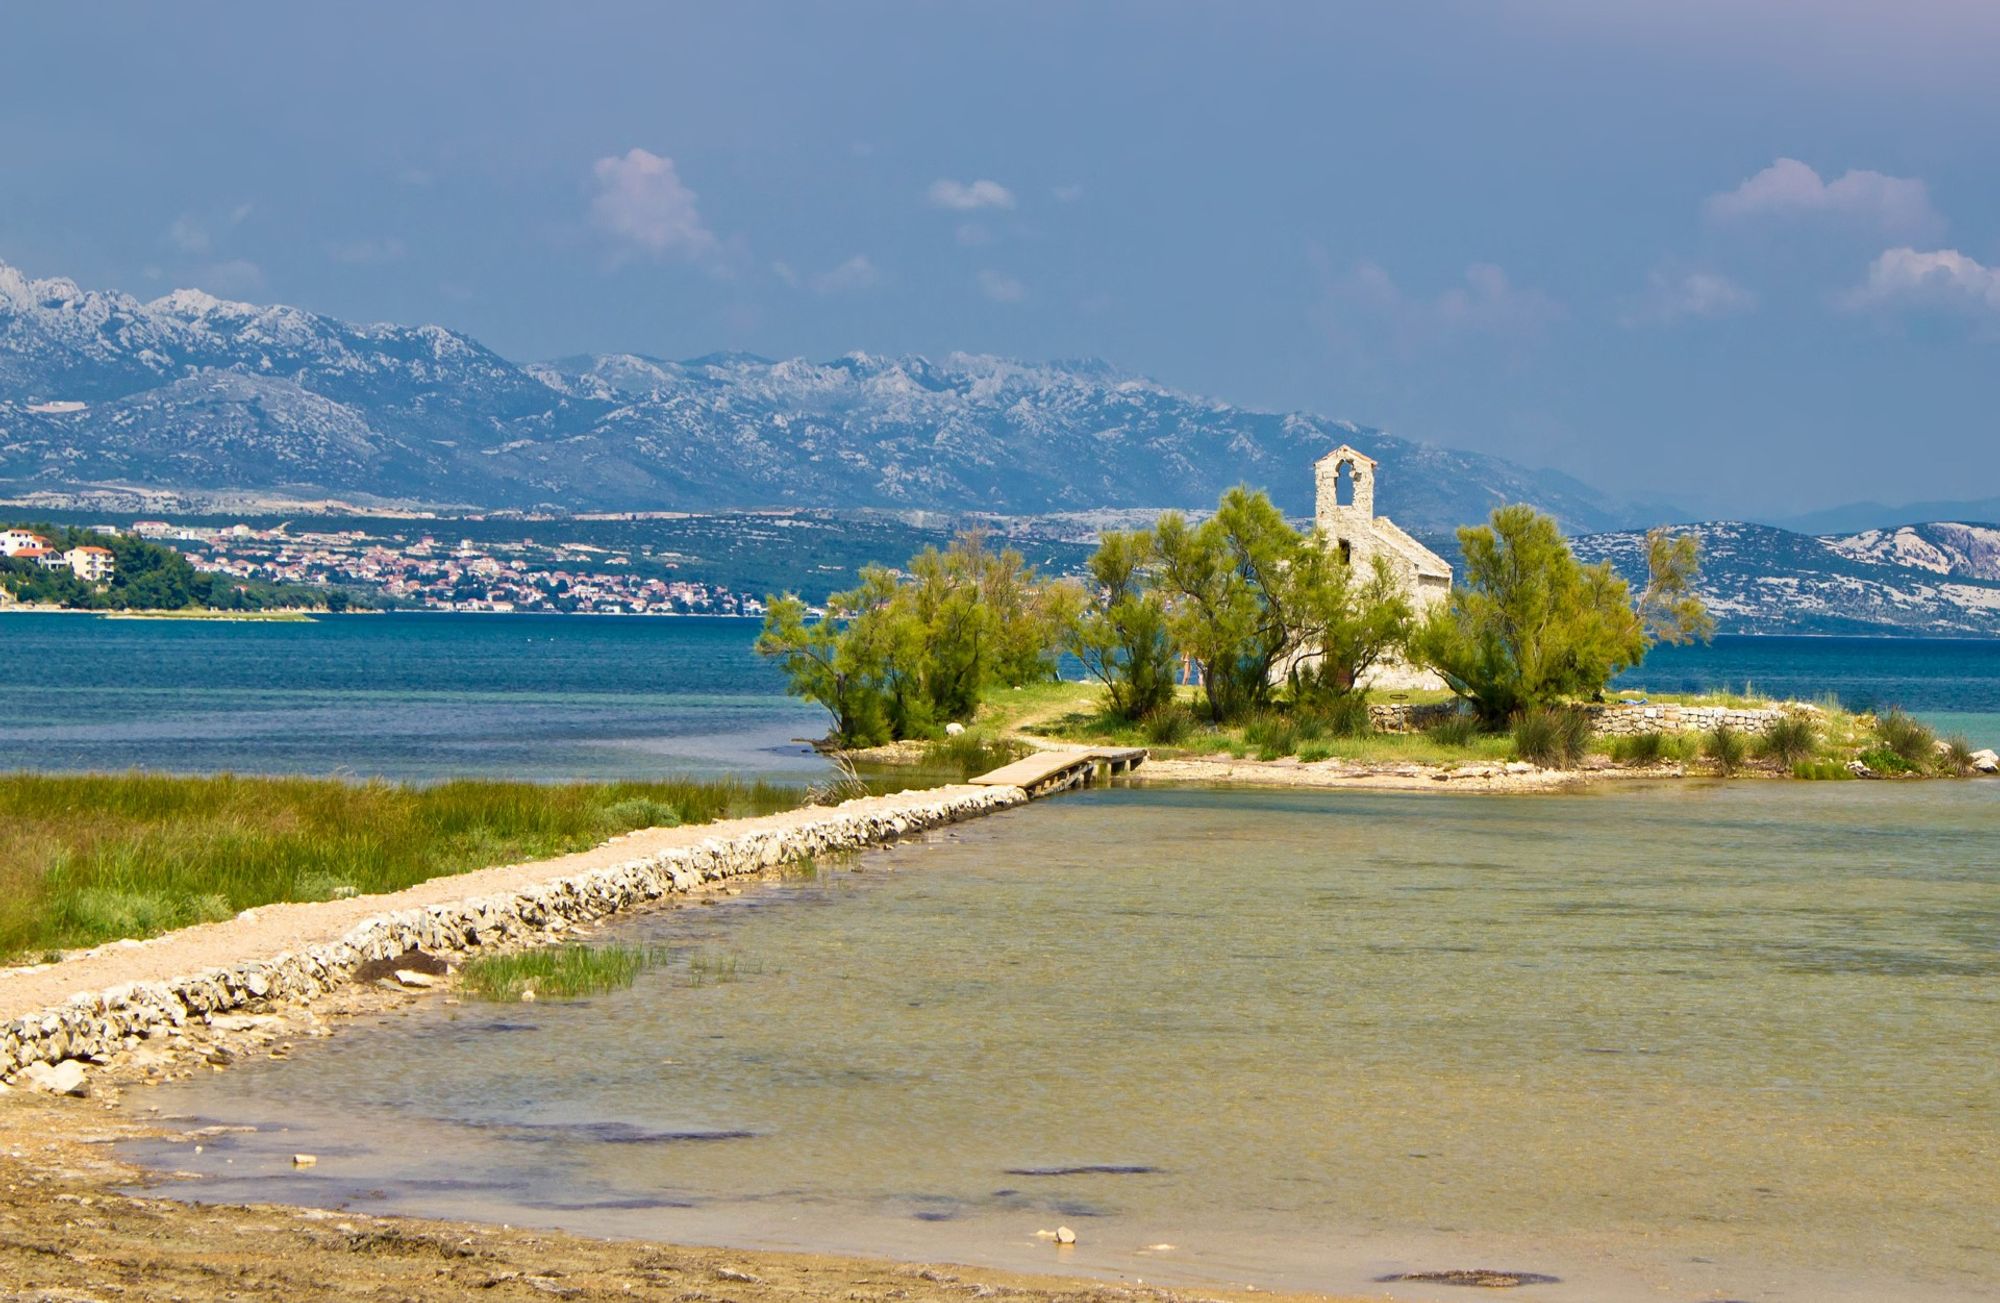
[{"x": 1344, "y": 481}]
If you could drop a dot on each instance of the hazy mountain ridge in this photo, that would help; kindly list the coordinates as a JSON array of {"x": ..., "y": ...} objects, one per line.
[{"x": 192, "y": 392}]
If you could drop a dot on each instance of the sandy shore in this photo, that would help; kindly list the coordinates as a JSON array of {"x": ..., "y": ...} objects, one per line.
[{"x": 69, "y": 1233}]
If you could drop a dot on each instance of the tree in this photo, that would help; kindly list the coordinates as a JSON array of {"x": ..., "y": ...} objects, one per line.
[
  {"x": 1671, "y": 611},
  {"x": 1120, "y": 636},
  {"x": 1226, "y": 585},
  {"x": 1348, "y": 621},
  {"x": 898, "y": 657},
  {"x": 1529, "y": 625}
]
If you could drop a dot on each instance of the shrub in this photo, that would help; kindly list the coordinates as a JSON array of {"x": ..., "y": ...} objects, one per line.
[
  {"x": 1169, "y": 726},
  {"x": 1884, "y": 761},
  {"x": 1726, "y": 747},
  {"x": 1790, "y": 741},
  {"x": 1910, "y": 740},
  {"x": 1640, "y": 749},
  {"x": 1347, "y": 716},
  {"x": 1271, "y": 736},
  {"x": 1457, "y": 731},
  {"x": 1954, "y": 757},
  {"x": 1554, "y": 738},
  {"x": 1820, "y": 770}
]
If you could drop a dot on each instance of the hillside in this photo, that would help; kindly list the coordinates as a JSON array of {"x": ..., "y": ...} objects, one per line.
[
  {"x": 209, "y": 397},
  {"x": 1933, "y": 580}
]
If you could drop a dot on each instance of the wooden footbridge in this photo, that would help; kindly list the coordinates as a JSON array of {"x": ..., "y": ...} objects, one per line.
[{"x": 1047, "y": 772}]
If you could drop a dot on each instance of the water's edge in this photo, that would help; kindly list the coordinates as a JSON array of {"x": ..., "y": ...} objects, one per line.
[{"x": 98, "y": 1025}]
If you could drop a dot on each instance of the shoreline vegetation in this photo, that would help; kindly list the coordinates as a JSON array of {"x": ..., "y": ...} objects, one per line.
[
  {"x": 88, "y": 859},
  {"x": 1814, "y": 741}
]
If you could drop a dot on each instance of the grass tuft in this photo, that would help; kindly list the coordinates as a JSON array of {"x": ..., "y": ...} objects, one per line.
[
  {"x": 558, "y": 972},
  {"x": 1910, "y": 740},
  {"x": 1640, "y": 749},
  {"x": 1726, "y": 747},
  {"x": 1556, "y": 738},
  {"x": 973, "y": 754},
  {"x": 1790, "y": 741}
]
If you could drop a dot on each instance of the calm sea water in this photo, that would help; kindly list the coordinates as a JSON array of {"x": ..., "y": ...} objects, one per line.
[
  {"x": 1952, "y": 683},
  {"x": 1697, "y": 1042},
  {"x": 426, "y": 696},
  {"x": 415, "y": 696}
]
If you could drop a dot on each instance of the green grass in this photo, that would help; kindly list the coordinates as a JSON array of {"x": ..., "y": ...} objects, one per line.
[
  {"x": 92, "y": 858},
  {"x": 558, "y": 972},
  {"x": 972, "y": 754}
]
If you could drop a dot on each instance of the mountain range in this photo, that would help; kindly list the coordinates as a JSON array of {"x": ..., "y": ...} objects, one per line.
[
  {"x": 232, "y": 403},
  {"x": 1939, "y": 579},
  {"x": 193, "y": 393}
]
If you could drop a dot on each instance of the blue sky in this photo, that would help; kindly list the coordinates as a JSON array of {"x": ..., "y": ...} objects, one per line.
[{"x": 1745, "y": 258}]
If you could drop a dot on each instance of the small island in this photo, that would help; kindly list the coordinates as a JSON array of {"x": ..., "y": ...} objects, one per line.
[{"x": 1242, "y": 649}]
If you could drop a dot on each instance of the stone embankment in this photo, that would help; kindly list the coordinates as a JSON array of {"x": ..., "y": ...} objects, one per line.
[
  {"x": 98, "y": 1024},
  {"x": 1608, "y": 719}
]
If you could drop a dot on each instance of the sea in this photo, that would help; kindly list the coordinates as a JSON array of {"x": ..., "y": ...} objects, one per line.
[{"x": 428, "y": 696}]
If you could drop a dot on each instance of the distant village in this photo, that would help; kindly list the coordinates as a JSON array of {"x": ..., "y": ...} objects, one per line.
[{"x": 419, "y": 570}]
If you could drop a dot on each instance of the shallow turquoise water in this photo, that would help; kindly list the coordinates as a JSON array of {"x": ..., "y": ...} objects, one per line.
[{"x": 1694, "y": 1042}]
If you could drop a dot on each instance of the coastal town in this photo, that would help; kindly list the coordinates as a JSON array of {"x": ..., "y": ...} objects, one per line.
[{"x": 415, "y": 569}]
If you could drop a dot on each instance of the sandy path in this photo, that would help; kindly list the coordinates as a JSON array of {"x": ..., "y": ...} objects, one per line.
[{"x": 272, "y": 930}]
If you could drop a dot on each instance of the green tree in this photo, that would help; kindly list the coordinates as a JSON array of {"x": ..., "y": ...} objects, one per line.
[
  {"x": 1671, "y": 611},
  {"x": 898, "y": 657},
  {"x": 1349, "y": 620},
  {"x": 1227, "y": 592},
  {"x": 1120, "y": 636},
  {"x": 1529, "y": 625}
]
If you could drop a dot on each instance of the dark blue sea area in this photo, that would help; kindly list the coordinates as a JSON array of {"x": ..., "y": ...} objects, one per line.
[{"x": 431, "y": 696}]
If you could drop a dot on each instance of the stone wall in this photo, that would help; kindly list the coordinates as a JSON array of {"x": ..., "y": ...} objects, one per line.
[
  {"x": 1610, "y": 719},
  {"x": 99, "y": 1024}
]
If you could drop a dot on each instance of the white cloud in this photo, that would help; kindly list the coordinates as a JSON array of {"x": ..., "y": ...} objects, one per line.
[
  {"x": 857, "y": 273},
  {"x": 1366, "y": 314},
  {"x": 1000, "y": 287},
  {"x": 1940, "y": 278},
  {"x": 189, "y": 235},
  {"x": 1670, "y": 298},
  {"x": 641, "y": 200},
  {"x": 965, "y": 196},
  {"x": 1789, "y": 188}
]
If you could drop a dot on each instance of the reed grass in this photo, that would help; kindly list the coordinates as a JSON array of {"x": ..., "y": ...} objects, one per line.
[
  {"x": 566, "y": 972},
  {"x": 91, "y": 858}
]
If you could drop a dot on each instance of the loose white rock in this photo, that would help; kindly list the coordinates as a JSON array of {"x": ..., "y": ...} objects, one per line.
[
  {"x": 65, "y": 1078},
  {"x": 409, "y": 977},
  {"x": 304, "y": 1160},
  {"x": 1064, "y": 1235}
]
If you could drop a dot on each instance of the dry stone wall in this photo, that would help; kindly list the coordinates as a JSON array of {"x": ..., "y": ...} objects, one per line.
[
  {"x": 97, "y": 1025},
  {"x": 1608, "y": 719}
]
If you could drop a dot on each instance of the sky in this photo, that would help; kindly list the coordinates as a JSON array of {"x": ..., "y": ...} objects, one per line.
[{"x": 1741, "y": 258}]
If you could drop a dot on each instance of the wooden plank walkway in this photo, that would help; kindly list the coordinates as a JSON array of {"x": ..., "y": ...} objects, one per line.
[{"x": 1046, "y": 772}]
